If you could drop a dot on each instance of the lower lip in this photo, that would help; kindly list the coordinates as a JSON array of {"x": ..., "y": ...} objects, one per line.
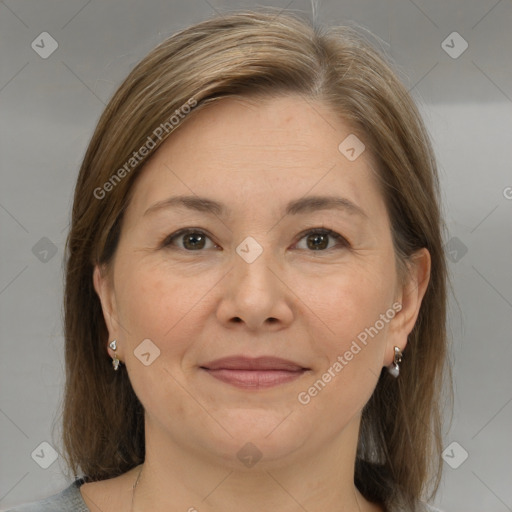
[{"x": 255, "y": 379}]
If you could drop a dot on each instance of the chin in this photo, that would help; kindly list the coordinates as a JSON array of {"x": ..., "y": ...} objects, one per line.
[{"x": 259, "y": 434}]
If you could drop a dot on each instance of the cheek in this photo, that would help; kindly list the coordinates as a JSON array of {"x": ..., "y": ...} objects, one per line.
[
  {"x": 353, "y": 336},
  {"x": 346, "y": 302},
  {"x": 155, "y": 302},
  {"x": 352, "y": 350},
  {"x": 158, "y": 305}
]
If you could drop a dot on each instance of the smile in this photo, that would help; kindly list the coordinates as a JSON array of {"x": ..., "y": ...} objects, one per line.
[
  {"x": 255, "y": 379},
  {"x": 254, "y": 373}
]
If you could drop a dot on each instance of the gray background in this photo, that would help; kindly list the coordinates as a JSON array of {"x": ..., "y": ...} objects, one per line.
[{"x": 49, "y": 110}]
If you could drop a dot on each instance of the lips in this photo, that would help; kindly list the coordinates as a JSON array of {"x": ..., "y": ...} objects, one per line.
[
  {"x": 254, "y": 373},
  {"x": 259, "y": 363}
]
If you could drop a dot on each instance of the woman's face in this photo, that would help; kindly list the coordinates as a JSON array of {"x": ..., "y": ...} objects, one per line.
[{"x": 232, "y": 270}]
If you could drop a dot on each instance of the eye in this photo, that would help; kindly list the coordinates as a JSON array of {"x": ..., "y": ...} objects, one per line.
[
  {"x": 318, "y": 239},
  {"x": 191, "y": 240}
]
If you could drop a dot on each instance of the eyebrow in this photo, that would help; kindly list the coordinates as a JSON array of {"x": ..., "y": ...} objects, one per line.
[{"x": 298, "y": 206}]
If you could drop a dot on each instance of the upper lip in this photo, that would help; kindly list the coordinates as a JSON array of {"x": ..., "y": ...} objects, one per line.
[{"x": 257, "y": 363}]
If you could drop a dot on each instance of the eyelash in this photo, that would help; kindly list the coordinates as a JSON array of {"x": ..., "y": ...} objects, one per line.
[{"x": 167, "y": 243}]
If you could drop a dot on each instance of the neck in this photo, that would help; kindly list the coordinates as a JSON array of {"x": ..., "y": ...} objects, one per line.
[{"x": 178, "y": 478}]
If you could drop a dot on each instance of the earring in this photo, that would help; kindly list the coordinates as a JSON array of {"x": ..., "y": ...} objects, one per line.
[
  {"x": 394, "y": 367},
  {"x": 115, "y": 360}
]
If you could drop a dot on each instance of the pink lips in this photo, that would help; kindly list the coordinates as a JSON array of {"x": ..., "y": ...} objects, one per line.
[{"x": 261, "y": 372}]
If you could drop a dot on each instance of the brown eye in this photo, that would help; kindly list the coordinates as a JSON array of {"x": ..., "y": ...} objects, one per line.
[
  {"x": 189, "y": 240},
  {"x": 320, "y": 239},
  {"x": 193, "y": 241},
  {"x": 317, "y": 241}
]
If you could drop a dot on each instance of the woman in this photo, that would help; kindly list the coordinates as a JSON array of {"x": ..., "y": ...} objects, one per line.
[{"x": 255, "y": 292}]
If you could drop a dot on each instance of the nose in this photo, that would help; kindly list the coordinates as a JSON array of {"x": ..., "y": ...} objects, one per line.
[{"x": 255, "y": 295}]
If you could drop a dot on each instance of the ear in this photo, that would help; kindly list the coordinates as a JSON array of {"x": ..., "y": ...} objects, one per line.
[
  {"x": 105, "y": 289},
  {"x": 410, "y": 295}
]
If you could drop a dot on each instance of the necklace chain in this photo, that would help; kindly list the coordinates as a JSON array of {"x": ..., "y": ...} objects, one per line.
[{"x": 135, "y": 485}]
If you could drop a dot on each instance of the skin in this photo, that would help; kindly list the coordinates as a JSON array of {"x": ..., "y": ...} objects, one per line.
[{"x": 254, "y": 155}]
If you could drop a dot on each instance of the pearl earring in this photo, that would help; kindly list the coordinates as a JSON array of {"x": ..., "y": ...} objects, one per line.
[
  {"x": 394, "y": 367},
  {"x": 115, "y": 360}
]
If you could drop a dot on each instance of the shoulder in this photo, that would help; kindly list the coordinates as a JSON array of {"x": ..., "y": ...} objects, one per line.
[{"x": 68, "y": 500}]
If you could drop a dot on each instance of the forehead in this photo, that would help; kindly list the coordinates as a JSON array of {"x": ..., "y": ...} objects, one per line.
[{"x": 251, "y": 150}]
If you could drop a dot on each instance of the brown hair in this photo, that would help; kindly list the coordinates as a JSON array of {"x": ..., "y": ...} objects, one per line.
[{"x": 268, "y": 53}]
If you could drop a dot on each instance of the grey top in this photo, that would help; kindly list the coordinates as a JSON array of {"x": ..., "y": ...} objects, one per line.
[{"x": 70, "y": 500}]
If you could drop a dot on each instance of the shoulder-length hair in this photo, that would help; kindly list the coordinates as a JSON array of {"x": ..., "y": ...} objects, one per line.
[{"x": 267, "y": 53}]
